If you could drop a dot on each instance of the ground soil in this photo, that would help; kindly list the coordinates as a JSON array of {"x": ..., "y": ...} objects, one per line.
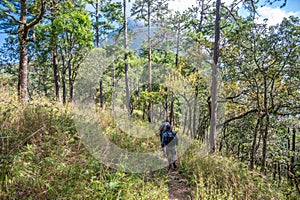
[{"x": 178, "y": 189}]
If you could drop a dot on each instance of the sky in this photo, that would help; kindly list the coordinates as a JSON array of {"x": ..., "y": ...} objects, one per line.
[{"x": 273, "y": 12}]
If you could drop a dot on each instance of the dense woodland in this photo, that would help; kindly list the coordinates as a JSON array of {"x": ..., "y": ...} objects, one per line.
[{"x": 226, "y": 81}]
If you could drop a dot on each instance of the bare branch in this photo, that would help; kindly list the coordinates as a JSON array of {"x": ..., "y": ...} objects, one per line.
[
  {"x": 230, "y": 12},
  {"x": 39, "y": 17},
  {"x": 11, "y": 16}
]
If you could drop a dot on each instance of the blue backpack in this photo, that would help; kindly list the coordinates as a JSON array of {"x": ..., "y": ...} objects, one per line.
[{"x": 171, "y": 138}]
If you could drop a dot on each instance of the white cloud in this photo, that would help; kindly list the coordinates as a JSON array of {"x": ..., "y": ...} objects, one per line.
[
  {"x": 274, "y": 15},
  {"x": 227, "y": 2},
  {"x": 181, "y": 5}
]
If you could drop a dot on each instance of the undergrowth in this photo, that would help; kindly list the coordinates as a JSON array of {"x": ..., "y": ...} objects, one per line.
[
  {"x": 217, "y": 177},
  {"x": 42, "y": 157}
]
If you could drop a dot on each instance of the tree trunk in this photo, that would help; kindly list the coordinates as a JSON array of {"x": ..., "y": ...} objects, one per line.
[
  {"x": 97, "y": 40},
  {"x": 23, "y": 70},
  {"x": 101, "y": 93},
  {"x": 97, "y": 34},
  {"x": 201, "y": 15},
  {"x": 265, "y": 135},
  {"x": 128, "y": 105},
  {"x": 70, "y": 81},
  {"x": 55, "y": 59},
  {"x": 114, "y": 87},
  {"x": 190, "y": 129},
  {"x": 166, "y": 105},
  {"x": 56, "y": 73},
  {"x": 177, "y": 47},
  {"x": 195, "y": 111},
  {"x": 172, "y": 115},
  {"x": 64, "y": 86},
  {"x": 23, "y": 63},
  {"x": 288, "y": 167},
  {"x": 23, "y": 30},
  {"x": 149, "y": 48},
  {"x": 279, "y": 172},
  {"x": 293, "y": 164},
  {"x": 253, "y": 152},
  {"x": 214, "y": 86},
  {"x": 185, "y": 121},
  {"x": 63, "y": 79},
  {"x": 222, "y": 140},
  {"x": 274, "y": 170},
  {"x": 149, "y": 60}
]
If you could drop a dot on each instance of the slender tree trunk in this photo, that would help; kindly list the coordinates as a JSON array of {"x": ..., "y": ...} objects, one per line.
[
  {"x": 166, "y": 105},
  {"x": 265, "y": 135},
  {"x": 253, "y": 152},
  {"x": 172, "y": 115},
  {"x": 70, "y": 80},
  {"x": 201, "y": 15},
  {"x": 128, "y": 105},
  {"x": 223, "y": 140},
  {"x": 97, "y": 40},
  {"x": 238, "y": 153},
  {"x": 177, "y": 46},
  {"x": 288, "y": 167},
  {"x": 114, "y": 89},
  {"x": 185, "y": 121},
  {"x": 97, "y": 34},
  {"x": 274, "y": 170},
  {"x": 258, "y": 128},
  {"x": 101, "y": 93},
  {"x": 190, "y": 111},
  {"x": 64, "y": 86},
  {"x": 214, "y": 86},
  {"x": 293, "y": 164},
  {"x": 23, "y": 63},
  {"x": 149, "y": 48},
  {"x": 55, "y": 58},
  {"x": 279, "y": 172},
  {"x": 56, "y": 73},
  {"x": 149, "y": 60},
  {"x": 195, "y": 111},
  {"x": 63, "y": 79}
]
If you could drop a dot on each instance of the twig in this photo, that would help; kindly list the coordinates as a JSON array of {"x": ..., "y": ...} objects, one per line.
[
  {"x": 11, "y": 16},
  {"x": 23, "y": 141}
]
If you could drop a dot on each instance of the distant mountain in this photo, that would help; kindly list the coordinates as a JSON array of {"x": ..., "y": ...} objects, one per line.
[{"x": 137, "y": 34}]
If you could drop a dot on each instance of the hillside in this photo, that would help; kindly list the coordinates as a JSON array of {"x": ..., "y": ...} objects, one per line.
[{"x": 42, "y": 157}]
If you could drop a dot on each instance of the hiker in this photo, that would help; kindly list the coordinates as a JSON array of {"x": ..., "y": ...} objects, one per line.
[{"x": 168, "y": 143}]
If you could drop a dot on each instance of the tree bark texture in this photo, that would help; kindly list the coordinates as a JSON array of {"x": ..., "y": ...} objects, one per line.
[{"x": 214, "y": 86}]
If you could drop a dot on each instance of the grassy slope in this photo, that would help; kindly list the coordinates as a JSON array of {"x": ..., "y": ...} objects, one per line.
[{"x": 53, "y": 164}]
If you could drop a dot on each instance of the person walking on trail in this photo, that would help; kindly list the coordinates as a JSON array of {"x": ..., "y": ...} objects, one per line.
[{"x": 169, "y": 143}]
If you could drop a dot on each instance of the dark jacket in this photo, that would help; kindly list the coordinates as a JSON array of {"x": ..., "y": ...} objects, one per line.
[{"x": 165, "y": 139}]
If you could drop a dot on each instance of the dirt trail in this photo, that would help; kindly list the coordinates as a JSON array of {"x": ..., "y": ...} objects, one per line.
[{"x": 178, "y": 187}]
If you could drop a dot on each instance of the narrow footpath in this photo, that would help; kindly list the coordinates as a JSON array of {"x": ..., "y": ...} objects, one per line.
[{"x": 178, "y": 186}]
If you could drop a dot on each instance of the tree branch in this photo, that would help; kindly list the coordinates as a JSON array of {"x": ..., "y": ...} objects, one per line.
[
  {"x": 39, "y": 16},
  {"x": 237, "y": 117},
  {"x": 11, "y": 16}
]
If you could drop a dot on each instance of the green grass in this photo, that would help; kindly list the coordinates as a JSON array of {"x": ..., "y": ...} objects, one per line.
[
  {"x": 42, "y": 157},
  {"x": 217, "y": 177},
  {"x": 54, "y": 164}
]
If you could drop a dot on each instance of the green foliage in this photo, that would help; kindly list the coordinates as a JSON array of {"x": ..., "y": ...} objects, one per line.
[
  {"x": 216, "y": 177},
  {"x": 42, "y": 157},
  {"x": 51, "y": 163}
]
